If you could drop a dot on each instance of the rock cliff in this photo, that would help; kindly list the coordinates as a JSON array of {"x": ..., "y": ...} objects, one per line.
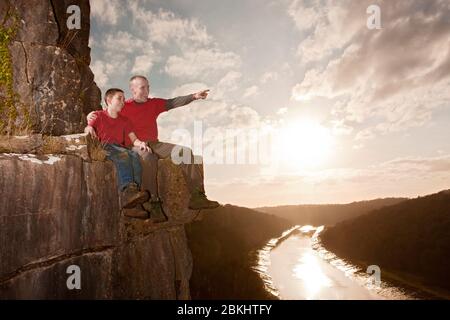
[
  {"x": 59, "y": 207},
  {"x": 59, "y": 210},
  {"x": 46, "y": 85}
]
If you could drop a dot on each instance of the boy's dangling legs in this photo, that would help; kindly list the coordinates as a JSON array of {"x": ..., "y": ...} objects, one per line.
[{"x": 130, "y": 195}]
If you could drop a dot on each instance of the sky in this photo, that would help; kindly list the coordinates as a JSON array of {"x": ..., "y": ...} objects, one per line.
[{"x": 310, "y": 101}]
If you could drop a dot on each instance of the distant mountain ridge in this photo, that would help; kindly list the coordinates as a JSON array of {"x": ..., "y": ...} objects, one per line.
[{"x": 327, "y": 214}]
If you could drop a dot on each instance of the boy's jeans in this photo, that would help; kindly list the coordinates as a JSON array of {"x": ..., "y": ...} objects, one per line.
[{"x": 127, "y": 164}]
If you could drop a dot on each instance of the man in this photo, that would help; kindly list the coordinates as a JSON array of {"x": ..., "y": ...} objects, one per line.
[{"x": 143, "y": 111}]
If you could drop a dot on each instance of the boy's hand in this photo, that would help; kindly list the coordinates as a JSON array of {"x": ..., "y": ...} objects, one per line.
[
  {"x": 201, "y": 94},
  {"x": 143, "y": 146},
  {"x": 91, "y": 116},
  {"x": 91, "y": 131}
]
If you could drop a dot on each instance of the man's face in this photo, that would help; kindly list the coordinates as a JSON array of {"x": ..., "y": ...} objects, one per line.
[
  {"x": 140, "y": 89},
  {"x": 117, "y": 101}
]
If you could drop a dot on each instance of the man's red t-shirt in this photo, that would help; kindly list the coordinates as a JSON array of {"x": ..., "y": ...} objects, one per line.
[
  {"x": 143, "y": 117},
  {"x": 112, "y": 130}
]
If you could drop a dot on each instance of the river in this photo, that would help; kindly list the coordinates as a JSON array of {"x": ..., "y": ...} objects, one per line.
[{"x": 296, "y": 266}]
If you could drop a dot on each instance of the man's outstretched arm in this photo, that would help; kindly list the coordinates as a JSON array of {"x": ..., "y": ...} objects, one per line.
[{"x": 184, "y": 100}]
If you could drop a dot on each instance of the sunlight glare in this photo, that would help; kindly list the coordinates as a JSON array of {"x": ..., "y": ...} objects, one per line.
[
  {"x": 308, "y": 270},
  {"x": 304, "y": 144}
]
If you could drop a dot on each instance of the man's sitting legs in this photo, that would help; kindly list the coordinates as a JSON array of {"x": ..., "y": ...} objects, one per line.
[
  {"x": 149, "y": 182},
  {"x": 192, "y": 172}
]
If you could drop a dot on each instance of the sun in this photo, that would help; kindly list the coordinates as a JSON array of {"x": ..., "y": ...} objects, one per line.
[{"x": 304, "y": 144}]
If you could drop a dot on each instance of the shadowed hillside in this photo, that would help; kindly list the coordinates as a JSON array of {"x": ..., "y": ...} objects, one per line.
[
  {"x": 223, "y": 246},
  {"x": 410, "y": 240}
]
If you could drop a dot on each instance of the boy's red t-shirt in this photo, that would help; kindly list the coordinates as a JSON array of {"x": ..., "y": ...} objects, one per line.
[
  {"x": 143, "y": 117},
  {"x": 112, "y": 130}
]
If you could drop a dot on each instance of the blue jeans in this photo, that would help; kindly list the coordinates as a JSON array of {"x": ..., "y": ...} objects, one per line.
[{"x": 127, "y": 164}]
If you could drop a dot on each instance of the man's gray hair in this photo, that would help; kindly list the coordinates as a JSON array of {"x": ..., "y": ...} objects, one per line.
[{"x": 138, "y": 77}]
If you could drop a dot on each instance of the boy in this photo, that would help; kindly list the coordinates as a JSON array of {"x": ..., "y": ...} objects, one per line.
[{"x": 111, "y": 129}]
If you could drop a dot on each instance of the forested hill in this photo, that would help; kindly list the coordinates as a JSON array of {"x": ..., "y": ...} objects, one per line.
[{"x": 410, "y": 239}]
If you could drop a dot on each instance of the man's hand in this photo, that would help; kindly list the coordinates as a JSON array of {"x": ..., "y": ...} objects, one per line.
[
  {"x": 91, "y": 131},
  {"x": 201, "y": 94},
  {"x": 91, "y": 116}
]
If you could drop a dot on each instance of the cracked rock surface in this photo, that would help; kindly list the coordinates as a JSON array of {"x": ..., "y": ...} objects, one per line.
[
  {"x": 60, "y": 210},
  {"x": 51, "y": 71}
]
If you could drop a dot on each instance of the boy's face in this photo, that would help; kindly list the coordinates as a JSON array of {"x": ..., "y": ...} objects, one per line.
[{"x": 116, "y": 102}]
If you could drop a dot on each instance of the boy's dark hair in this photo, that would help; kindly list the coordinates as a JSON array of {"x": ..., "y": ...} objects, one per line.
[{"x": 111, "y": 92}]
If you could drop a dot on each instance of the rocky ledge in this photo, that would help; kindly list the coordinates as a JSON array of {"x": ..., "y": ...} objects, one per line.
[{"x": 61, "y": 209}]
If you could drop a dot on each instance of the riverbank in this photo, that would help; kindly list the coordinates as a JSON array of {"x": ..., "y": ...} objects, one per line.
[{"x": 295, "y": 266}]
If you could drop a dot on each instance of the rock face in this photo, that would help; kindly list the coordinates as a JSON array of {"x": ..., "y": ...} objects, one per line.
[
  {"x": 60, "y": 210},
  {"x": 53, "y": 85}
]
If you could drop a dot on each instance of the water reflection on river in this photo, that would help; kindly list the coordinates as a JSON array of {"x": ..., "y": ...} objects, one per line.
[{"x": 296, "y": 266}]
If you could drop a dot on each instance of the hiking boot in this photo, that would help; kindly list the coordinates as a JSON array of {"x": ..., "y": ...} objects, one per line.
[
  {"x": 199, "y": 201},
  {"x": 132, "y": 196},
  {"x": 155, "y": 210},
  {"x": 137, "y": 212}
]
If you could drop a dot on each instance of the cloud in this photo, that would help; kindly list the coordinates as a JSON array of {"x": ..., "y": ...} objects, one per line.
[
  {"x": 164, "y": 27},
  {"x": 123, "y": 42},
  {"x": 268, "y": 76},
  {"x": 213, "y": 114},
  {"x": 420, "y": 164},
  {"x": 142, "y": 64},
  {"x": 393, "y": 78},
  {"x": 109, "y": 68},
  {"x": 216, "y": 117},
  {"x": 365, "y": 134},
  {"x": 99, "y": 68},
  {"x": 188, "y": 88},
  {"x": 406, "y": 168},
  {"x": 106, "y": 12},
  {"x": 162, "y": 40},
  {"x": 202, "y": 62},
  {"x": 92, "y": 41},
  {"x": 251, "y": 92},
  {"x": 341, "y": 128},
  {"x": 244, "y": 117},
  {"x": 226, "y": 85},
  {"x": 304, "y": 17},
  {"x": 194, "y": 51},
  {"x": 121, "y": 53},
  {"x": 282, "y": 111},
  {"x": 330, "y": 26},
  {"x": 401, "y": 177}
]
